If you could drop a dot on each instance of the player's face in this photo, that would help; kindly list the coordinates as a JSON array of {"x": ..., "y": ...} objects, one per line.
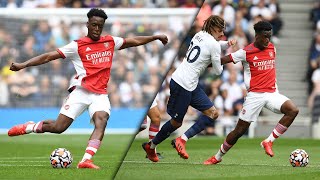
[
  {"x": 217, "y": 33},
  {"x": 95, "y": 27},
  {"x": 262, "y": 40}
]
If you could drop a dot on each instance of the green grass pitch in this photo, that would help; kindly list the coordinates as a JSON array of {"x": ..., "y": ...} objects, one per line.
[
  {"x": 27, "y": 157},
  {"x": 246, "y": 160}
]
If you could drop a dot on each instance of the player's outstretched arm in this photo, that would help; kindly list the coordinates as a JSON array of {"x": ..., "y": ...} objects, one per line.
[
  {"x": 141, "y": 40},
  {"x": 226, "y": 44},
  {"x": 41, "y": 59},
  {"x": 226, "y": 60}
]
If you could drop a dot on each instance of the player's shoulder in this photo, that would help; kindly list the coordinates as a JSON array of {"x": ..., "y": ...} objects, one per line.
[
  {"x": 249, "y": 47},
  {"x": 208, "y": 40},
  {"x": 271, "y": 45},
  {"x": 106, "y": 37}
]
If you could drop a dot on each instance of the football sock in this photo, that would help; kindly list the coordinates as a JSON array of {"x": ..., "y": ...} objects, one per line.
[
  {"x": 277, "y": 131},
  {"x": 197, "y": 127},
  {"x": 163, "y": 134},
  {"x": 184, "y": 137},
  {"x": 29, "y": 128},
  {"x": 223, "y": 150},
  {"x": 93, "y": 146},
  {"x": 153, "y": 131},
  {"x": 36, "y": 128}
]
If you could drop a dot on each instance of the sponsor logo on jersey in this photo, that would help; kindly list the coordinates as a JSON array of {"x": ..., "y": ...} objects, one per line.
[
  {"x": 99, "y": 57},
  {"x": 264, "y": 65}
]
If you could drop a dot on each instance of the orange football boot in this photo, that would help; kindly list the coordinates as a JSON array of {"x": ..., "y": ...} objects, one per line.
[
  {"x": 211, "y": 161},
  {"x": 267, "y": 145},
  {"x": 88, "y": 163},
  {"x": 151, "y": 153},
  {"x": 19, "y": 129},
  {"x": 180, "y": 146}
]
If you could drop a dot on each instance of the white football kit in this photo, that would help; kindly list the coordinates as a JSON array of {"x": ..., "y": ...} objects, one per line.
[{"x": 203, "y": 50}]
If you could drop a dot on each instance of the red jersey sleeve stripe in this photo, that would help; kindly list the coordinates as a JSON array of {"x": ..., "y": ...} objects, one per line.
[
  {"x": 61, "y": 53},
  {"x": 124, "y": 42},
  {"x": 231, "y": 58}
]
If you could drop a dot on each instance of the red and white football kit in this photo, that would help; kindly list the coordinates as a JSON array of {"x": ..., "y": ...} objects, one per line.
[
  {"x": 92, "y": 61},
  {"x": 260, "y": 81}
]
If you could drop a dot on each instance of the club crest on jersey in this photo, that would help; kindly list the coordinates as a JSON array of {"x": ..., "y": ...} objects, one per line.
[
  {"x": 66, "y": 107},
  {"x": 243, "y": 111},
  {"x": 106, "y": 44},
  {"x": 271, "y": 54}
]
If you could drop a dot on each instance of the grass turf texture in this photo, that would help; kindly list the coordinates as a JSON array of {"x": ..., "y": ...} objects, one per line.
[
  {"x": 27, "y": 157},
  {"x": 246, "y": 160}
]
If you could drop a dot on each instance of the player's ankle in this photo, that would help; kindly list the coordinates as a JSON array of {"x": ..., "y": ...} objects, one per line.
[
  {"x": 29, "y": 128},
  {"x": 152, "y": 145}
]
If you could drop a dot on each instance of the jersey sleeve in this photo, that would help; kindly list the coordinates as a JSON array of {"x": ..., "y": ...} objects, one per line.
[
  {"x": 118, "y": 42},
  {"x": 215, "y": 59},
  {"x": 224, "y": 45},
  {"x": 68, "y": 50},
  {"x": 238, "y": 56}
]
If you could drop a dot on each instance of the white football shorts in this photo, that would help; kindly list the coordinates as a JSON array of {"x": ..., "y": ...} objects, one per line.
[
  {"x": 154, "y": 104},
  {"x": 254, "y": 102},
  {"x": 80, "y": 100}
]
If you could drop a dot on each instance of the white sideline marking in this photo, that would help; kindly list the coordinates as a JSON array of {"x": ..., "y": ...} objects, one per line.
[
  {"x": 198, "y": 163},
  {"x": 15, "y": 165},
  {"x": 22, "y": 161},
  {"x": 26, "y": 158}
]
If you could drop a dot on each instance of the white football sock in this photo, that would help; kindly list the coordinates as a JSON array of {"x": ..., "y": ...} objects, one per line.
[{"x": 184, "y": 137}]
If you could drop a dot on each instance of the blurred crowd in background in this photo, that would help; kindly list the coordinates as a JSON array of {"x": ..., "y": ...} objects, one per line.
[
  {"x": 136, "y": 72},
  {"x": 313, "y": 73}
]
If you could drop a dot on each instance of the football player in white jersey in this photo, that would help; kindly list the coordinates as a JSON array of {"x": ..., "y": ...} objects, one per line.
[
  {"x": 92, "y": 58},
  {"x": 258, "y": 59},
  {"x": 185, "y": 91}
]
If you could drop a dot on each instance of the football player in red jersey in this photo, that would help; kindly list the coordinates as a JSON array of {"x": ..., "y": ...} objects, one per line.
[
  {"x": 92, "y": 59},
  {"x": 258, "y": 60},
  {"x": 155, "y": 118}
]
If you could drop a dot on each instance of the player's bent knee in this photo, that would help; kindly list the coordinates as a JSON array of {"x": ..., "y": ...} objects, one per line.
[
  {"x": 214, "y": 114},
  {"x": 295, "y": 111},
  {"x": 175, "y": 123}
]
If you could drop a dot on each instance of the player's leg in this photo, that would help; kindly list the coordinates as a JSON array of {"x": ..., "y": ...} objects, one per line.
[
  {"x": 73, "y": 106},
  {"x": 279, "y": 104},
  {"x": 251, "y": 109},
  {"x": 177, "y": 106},
  {"x": 53, "y": 126},
  {"x": 232, "y": 138},
  {"x": 201, "y": 102},
  {"x": 99, "y": 111},
  {"x": 155, "y": 118}
]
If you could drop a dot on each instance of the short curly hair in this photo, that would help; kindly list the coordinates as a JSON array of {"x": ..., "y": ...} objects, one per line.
[
  {"x": 97, "y": 12},
  {"x": 262, "y": 26}
]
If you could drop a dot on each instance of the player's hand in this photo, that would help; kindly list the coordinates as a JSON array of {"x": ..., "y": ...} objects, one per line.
[
  {"x": 232, "y": 42},
  {"x": 16, "y": 66},
  {"x": 163, "y": 38}
]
